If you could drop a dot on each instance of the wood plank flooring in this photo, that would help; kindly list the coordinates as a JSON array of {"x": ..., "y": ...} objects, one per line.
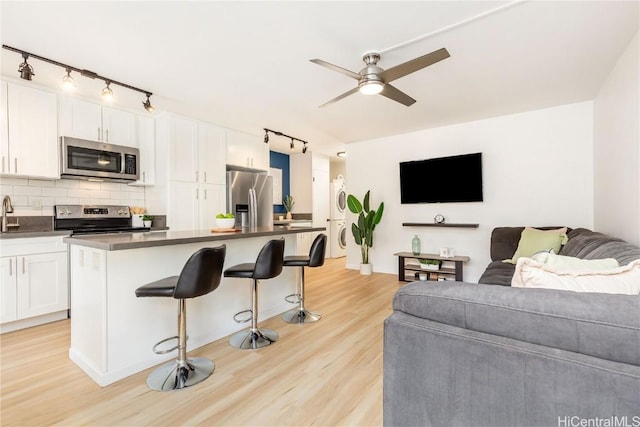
[{"x": 327, "y": 373}]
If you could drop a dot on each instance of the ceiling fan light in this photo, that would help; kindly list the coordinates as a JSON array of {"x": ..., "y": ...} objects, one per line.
[{"x": 373, "y": 87}]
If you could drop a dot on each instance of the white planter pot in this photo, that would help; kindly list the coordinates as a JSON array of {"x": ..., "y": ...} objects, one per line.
[
  {"x": 430, "y": 267},
  {"x": 147, "y": 224},
  {"x": 366, "y": 269}
]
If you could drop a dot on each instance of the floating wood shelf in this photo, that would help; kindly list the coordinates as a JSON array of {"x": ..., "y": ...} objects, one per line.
[{"x": 433, "y": 224}]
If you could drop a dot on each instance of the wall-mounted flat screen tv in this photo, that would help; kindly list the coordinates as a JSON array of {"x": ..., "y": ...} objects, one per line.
[{"x": 442, "y": 180}]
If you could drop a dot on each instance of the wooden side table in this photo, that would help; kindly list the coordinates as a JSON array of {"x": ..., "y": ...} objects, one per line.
[{"x": 450, "y": 267}]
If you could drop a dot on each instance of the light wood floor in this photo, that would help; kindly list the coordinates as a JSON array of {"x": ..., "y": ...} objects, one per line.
[{"x": 327, "y": 373}]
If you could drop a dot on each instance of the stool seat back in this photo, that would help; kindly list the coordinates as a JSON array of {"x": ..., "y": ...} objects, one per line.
[
  {"x": 201, "y": 273},
  {"x": 317, "y": 251},
  {"x": 270, "y": 259}
]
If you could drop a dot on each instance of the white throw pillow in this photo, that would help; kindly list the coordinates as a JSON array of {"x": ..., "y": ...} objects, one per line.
[
  {"x": 562, "y": 263},
  {"x": 622, "y": 280}
]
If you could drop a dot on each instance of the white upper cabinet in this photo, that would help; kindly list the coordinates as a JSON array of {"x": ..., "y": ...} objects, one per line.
[
  {"x": 29, "y": 144},
  {"x": 212, "y": 154},
  {"x": 119, "y": 127},
  {"x": 183, "y": 150},
  {"x": 86, "y": 120},
  {"x": 247, "y": 151},
  {"x": 147, "y": 147},
  {"x": 4, "y": 127}
]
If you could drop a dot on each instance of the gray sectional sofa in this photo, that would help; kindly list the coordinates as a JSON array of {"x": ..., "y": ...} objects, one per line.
[{"x": 464, "y": 354}]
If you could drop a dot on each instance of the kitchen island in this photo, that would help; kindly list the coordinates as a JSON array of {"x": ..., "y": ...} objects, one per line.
[{"x": 113, "y": 332}]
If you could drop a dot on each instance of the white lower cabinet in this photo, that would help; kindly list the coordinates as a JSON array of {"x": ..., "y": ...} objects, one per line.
[
  {"x": 303, "y": 240},
  {"x": 33, "y": 284},
  {"x": 194, "y": 206}
]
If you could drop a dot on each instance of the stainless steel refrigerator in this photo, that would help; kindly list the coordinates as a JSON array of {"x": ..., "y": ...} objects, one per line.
[{"x": 250, "y": 198}]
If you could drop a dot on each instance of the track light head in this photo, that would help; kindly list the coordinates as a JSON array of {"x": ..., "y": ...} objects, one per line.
[
  {"x": 25, "y": 70},
  {"x": 147, "y": 104},
  {"x": 304, "y": 147},
  {"x": 67, "y": 81},
  {"x": 266, "y": 136},
  {"x": 341, "y": 154},
  {"x": 107, "y": 93},
  {"x": 292, "y": 145}
]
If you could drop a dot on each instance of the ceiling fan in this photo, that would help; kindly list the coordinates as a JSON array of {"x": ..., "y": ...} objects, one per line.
[{"x": 373, "y": 79}]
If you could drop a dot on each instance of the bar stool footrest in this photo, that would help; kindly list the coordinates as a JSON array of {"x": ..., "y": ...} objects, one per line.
[
  {"x": 293, "y": 299},
  {"x": 169, "y": 350},
  {"x": 235, "y": 316}
]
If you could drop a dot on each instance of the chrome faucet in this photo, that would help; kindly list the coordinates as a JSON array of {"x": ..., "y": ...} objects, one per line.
[{"x": 7, "y": 207}]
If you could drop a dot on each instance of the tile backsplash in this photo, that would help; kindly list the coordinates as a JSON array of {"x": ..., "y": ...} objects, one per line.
[{"x": 37, "y": 197}]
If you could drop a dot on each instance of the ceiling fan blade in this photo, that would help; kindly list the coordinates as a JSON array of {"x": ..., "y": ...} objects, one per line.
[
  {"x": 338, "y": 98},
  {"x": 397, "y": 95},
  {"x": 336, "y": 68},
  {"x": 414, "y": 65}
]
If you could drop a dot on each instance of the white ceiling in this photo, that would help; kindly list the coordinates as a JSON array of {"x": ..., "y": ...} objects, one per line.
[{"x": 246, "y": 65}]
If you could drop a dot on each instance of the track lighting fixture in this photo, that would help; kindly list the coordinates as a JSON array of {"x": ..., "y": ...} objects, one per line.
[
  {"x": 67, "y": 81},
  {"x": 25, "y": 70},
  {"x": 147, "y": 104},
  {"x": 26, "y": 73},
  {"x": 292, "y": 144},
  {"x": 341, "y": 154},
  {"x": 107, "y": 93}
]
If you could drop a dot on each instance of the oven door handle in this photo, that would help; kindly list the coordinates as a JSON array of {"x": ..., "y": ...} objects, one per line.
[{"x": 122, "y": 163}]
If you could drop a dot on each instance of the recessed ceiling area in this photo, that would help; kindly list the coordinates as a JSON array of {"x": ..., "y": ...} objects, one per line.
[{"x": 246, "y": 65}]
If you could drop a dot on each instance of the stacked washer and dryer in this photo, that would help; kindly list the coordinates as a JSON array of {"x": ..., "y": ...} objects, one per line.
[{"x": 338, "y": 222}]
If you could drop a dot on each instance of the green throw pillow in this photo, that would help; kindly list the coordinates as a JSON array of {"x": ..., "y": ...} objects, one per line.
[{"x": 533, "y": 240}]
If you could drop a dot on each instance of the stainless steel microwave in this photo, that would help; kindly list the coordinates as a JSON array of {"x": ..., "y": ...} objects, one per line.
[{"x": 84, "y": 159}]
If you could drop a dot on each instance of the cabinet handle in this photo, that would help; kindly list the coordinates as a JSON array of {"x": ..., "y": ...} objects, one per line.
[
  {"x": 205, "y": 194},
  {"x": 205, "y": 176},
  {"x": 15, "y": 165},
  {"x": 23, "y": 266},
  {"x": 196, "y": 194},
  {"x": 196, "y": 176},
  {"x": 99, "y": 134},
  {"x": 107, "y": 131},
  {"x": 2, "y": 164},
  {"x": 143, "y": 177},
  {"x": 10, "y": 266}
]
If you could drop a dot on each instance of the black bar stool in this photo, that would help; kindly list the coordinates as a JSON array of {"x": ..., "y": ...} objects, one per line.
[
  {"x": 200, "y": 275},
  {"x": 267, "y": 265},
  {"x": 315, "y": 259}
]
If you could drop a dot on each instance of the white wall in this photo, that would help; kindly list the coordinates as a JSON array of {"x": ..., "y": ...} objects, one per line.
[
  {"x": 617, "y": 149},
  {"x": 37, "y": 197},
  {"x": 537, "y": 170}
]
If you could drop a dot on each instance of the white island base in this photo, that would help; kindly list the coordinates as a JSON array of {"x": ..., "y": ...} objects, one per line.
[{"x": 113, "y": 331}]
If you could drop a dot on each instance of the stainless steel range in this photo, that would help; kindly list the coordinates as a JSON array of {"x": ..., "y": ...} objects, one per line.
[{"x": 94, "y": 219}]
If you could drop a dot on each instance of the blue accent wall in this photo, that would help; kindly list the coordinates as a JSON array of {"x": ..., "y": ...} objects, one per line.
[{"x": 281, "y": 161}]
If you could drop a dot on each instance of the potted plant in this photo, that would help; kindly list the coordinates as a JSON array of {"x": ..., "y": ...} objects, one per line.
[
  {"x": 288, "y": 204},
  {"x": 429, "y": 264},
  {"x": 146, "y": 220},
  {"x": 368, "y": 219}
]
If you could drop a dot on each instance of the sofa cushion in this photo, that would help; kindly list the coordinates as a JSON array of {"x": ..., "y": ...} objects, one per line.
[
  {"x": 533, "y": 240},
  {"x": 504, "y": 241},
  {"x": 498, "y": 273},
  {"x": 560, "y": 263},
  {"x": 600, "y": 325},
  {"x": 587, "y": 244},
  {"x": 621, "y": 280}
]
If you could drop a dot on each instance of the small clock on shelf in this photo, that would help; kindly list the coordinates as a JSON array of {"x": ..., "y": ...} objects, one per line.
[{"x": 438, "y": 219}]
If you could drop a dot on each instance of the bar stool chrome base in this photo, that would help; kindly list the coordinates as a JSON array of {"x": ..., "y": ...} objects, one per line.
[
  {"x": 251, "y": 340},
  {"x": 297, "y": 315},
  {"x": 172, "y": 376}
]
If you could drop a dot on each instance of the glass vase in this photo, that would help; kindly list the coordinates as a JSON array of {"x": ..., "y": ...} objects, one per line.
[{"x": 416, "y": 245}]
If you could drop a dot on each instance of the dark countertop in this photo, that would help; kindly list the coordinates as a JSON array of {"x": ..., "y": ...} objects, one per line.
[
  {"x": 123, "y": 241},
  {"x": 27, "y": 234}
]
